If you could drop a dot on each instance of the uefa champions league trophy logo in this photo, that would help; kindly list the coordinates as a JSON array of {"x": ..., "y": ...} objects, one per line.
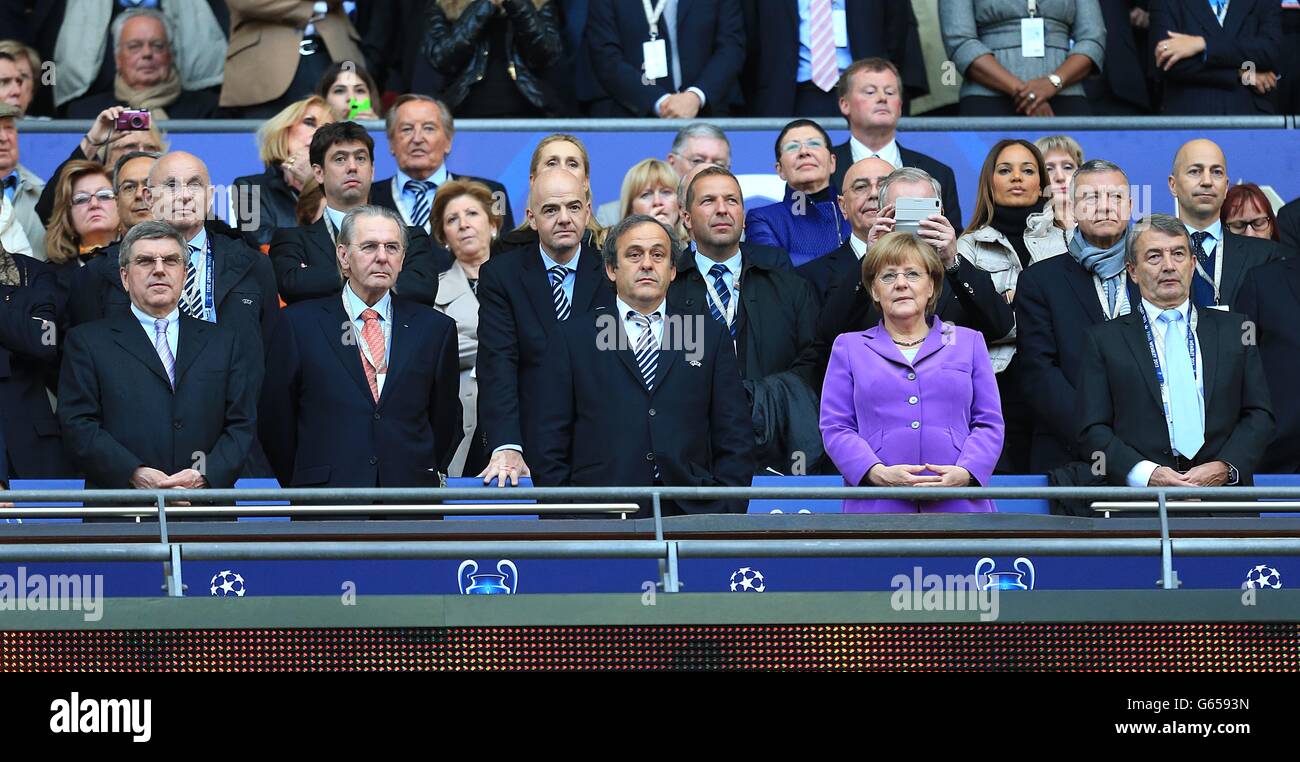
[
  {"x": 1004, "y": 580},
  {"x": 505, "y": 582}
]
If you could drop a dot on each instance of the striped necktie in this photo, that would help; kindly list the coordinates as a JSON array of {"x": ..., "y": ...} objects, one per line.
[
  {"x": 420, "y": 207},
  {"x": 647, "y": 348},
  {"x": 562, "y": 307},
  {"x": 164, "y": 349},
  {"x": 717, "y": 272},
  {"x": 191, "y": 294},
  {"x": 821, "y": 44}
]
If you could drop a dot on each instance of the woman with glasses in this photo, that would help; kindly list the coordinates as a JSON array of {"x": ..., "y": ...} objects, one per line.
[
  {"x": 807, "y": 222},
  {"x": 912, "y": 401},
  {"x": 1246, "y": 211},
  {"x": 85, "y": 220}
]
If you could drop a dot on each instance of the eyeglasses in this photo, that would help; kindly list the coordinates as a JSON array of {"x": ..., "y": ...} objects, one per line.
[
  {"x": 794, "y": 146},
  {"x": 105, "y": 196},
  {"x": 371, "y": 248},
  {"x": 171, "y": 261},
  {"x": 1239, "y": 226},
  {"x": 912, "y": 276}
]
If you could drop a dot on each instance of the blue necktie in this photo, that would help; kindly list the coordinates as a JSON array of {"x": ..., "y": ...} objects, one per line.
[
  {"x": 562, "y": 306},
  {"x": 1217, "y": 7},
  {"x": 191, "y": 296},
  {"x": 1180, "y": 378},
  {"x": 1202, "y": 289},
  {"x": 717, "y": 272},
  {"x": 420, "y": 207},
  {"x": 9, "y": 185}
]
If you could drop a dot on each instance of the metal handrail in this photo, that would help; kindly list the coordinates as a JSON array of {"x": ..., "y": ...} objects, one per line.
[{"x": 175, "y": 512}]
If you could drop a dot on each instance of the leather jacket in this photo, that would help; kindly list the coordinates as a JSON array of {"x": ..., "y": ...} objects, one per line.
[{"x": 458, "y": 49}]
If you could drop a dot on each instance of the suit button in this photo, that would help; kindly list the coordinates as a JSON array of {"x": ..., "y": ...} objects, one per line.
[
  {"x": 376, "y": 416},
  {"x": 652, "y": 411},
  {"x": 916, "y": 424},
  {"x": 650, "y": 456},
  {"x": 373, "y": 460},
  {"x": 176, "y": 425},
  {"x": 911, "y": 376},
  {"x": 911, "y": 400}
]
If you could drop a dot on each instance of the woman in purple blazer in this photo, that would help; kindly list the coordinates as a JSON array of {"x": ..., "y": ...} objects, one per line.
[{"x": 912, "y": 401}]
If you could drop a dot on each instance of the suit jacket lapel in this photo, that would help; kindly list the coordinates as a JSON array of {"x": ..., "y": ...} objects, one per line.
[
  {"x": 130, "y": 335},
  {"x": 399, "y": 354},
  {"x": 1203, "y": 15},
  {"x": 587, "y": 280},
  {"x": 1235, "y": 17},
  {"x": 333, "y": 322},
  {"x": 668, "y": 352},
  {"x": 537, "y": 286},
  {"x": 1136, "y": 338},
  {"x": 1233, "y": 270},
  {"x": 318, "y": 237},
  {"x": 626, "y": 351},
  {"x": 877, "y": 339},
  {"x": 1084, "y": 287},
  {"x": 1208, "y": 335},
  {"x": 224, "y": 278},
  {"x": 192, "y": 336}
]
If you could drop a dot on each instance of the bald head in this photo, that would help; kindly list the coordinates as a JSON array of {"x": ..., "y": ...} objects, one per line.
[
  {"x": 558, "y": 211},
  {"x": 1199, "y": 182},
  {"x": 860, "y": 197},
  {"x": 180, "y": 191}
]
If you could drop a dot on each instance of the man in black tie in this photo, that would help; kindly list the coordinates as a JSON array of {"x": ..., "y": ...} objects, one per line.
[
  {"x": 1171, "y": 395},
  {"x": 154, "y": 398},
  {"x": 523, "y": 296},
  {"x": 362, "y": 388},
  {"x": 1199, "y": 182},
  {"x": 420, "y": 130},
  {"x": 639, "y": 394},
  {"x": 304, "y": 259}
]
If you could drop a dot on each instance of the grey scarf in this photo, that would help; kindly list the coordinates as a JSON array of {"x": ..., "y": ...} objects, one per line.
[{"x": 1107, "y": 264}]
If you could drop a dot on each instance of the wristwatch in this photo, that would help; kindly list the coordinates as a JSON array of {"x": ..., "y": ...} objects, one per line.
[{"x": 1055, "y": 80}]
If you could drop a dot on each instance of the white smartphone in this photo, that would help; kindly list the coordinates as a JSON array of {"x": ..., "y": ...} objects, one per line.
[{"x": 908, "y": 212}]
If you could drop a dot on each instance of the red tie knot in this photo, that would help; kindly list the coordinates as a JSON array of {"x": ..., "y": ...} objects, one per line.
[{"x": 368, "y": 315}]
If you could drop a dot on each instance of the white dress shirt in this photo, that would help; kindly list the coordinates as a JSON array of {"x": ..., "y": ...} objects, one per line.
[
  {"x": 634, "y": 328},
  {"x": 1140, "y": 475},
  {"x": 570, "y": 277},
  {"x": 173, "y": 327},
  {"x": 859, "y": 246},
  {"x": 354, "y": 306},
  {"x": 889, "y": 152}
]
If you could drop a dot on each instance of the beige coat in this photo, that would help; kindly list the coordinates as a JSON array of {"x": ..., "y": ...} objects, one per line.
[
  {"x": 457, "y": 301},
  {"x": 990, "y": 251},
  {"x": 263, "y": 52}
]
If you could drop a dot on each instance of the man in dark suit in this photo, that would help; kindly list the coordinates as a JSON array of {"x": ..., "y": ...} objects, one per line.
[
  {"x": 362, "y": 388},
  {"x": 780, "y": 80},
  {"x": 1288, "y": 225},
  {"x": 1199, "y": 182},
  {"x": 523, "y": 296},
  {"x": 156, "y": 399},
  {"x": 304, "y": 259},
  {"x": 968, "y": 297},
  {"x": 1270, "y": 296},
  {"x": 871, "y": 98},
  {"x": 1059, "y": 298},
  {"x": 1217, "y": 57},
  {"x": 860, "y": 203},
  {"x": 1121, "y": 89},
  {"x": 1169, "y": 394},
  {"x": 639, "y": 394},
  {"x": 769, "y": 311},
  {"x": 703, "y": 45},
  {"x": 225, "y": 280},
  {"x": 28, "y": 349},
  {"x": 420, "y": 130}
]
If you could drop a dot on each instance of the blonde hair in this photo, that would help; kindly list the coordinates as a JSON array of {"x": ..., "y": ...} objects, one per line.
[
  {"x": 1063, "y": 143},
  {"x": 893, "y": 250},
  {"x": 62, "y": 242},
  {"x": 649, "y": 173},
  {"x": 597, "y": 232},
  {"x": 273, "y": 135}
]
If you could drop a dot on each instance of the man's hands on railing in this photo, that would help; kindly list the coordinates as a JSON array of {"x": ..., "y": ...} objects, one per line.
[
  {"x": 1212, "y": 474},
  {"x": 151, "y": 478},
  {"x": 505, "y": 464}
]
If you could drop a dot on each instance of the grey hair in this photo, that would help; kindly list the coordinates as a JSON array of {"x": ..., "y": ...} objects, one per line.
[
  {"x": 698, "y": 130},
  {"x": 370, "y": 210},
  {"x": 908, "y": 175},
  {"x": 444, "y": 113},
  {"x": 1094, "y": 167},
  {"x": 149, "y": 230},
  {"x": 168, "y": 26},
  {"x": 610, "y": 250},
  {"x": 132, "y": 156},
  {"x": 1162, "y": 223}
]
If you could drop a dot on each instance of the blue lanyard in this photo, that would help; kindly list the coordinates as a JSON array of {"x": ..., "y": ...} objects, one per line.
[
  {"x": 209, "y": 293},
  {"x": 1151, "y": 344}
]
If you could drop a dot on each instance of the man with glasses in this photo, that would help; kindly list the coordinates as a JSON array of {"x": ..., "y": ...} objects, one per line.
[
  {"x": 807, "y": 222},
  {"x": 152, "y": 398},
  {"x": 363, "y": 387},
  {"x": 695, "y": 145}
]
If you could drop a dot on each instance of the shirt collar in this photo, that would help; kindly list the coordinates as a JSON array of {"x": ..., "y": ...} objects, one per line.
[
  {"x": 437, "y": 178},
  {"x": 733, "y": 263},
  {"x": 199, "y": 241},
  {"x": 146, "y": 319},
  {"x": 355, "y": 305},
  {"x": 624, "y": 308},
  {"x": 1153, "y": 311},
  {"x": 888, "y": 152},
  {"x": 859, "y": 246},
  {"x": 1215, "y": 229},
  {"x": 548, "y": 263},
  {"x": 336, "y": 217}
]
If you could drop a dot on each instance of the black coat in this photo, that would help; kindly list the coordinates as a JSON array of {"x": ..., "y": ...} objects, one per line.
[
  {"x": 599, "y": 426},
  {"x": 243, "y": 290},
  {"x": 119, "y": 412},
  {"x": 1211, "y": 83},
  {"x": 458, "y": 50},
  {"x": 1244, "y": 253},
  {"x": 710, "y": 45},
  {"x": 1288, "y": 227},
  {"x": 306, "y": 266},
  {"x": 1120, "y": 413},
  {"x": 827, "y": 270},
  {"x": 886, "y": 29},
  {"x": 968, "y": 299},
  {"x": 1124, "y": 75},
  {"x": 1271, "y": 297},
  {"x": 935, "y": 168},
  {"x": 319, "y": 423},
  {"x": 1056, "y": 303},
  {"x": 516, "y": 317},
  {"x": 191, "y": 104},
  {"x": 381, "y": 194},
  {"x": 28, "y": 350},
  {"x": 277, "y": 206}
]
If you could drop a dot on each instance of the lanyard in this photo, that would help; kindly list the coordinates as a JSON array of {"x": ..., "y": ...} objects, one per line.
[
  {"x": 1218, "y": 269},
  {"x": 1155, "y": 358},
  {"x": 334, "y": 234},
  {"x": 1033, "y": 8},
  {"x": 209, "y": 292},
  {"x": 1121, "y": 299},
  {"x": 652, "y": 16},
  {"x": 728, "y": 312}
]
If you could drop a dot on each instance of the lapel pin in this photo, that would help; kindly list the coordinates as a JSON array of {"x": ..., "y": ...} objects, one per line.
[{"x": 695, "y": 363}]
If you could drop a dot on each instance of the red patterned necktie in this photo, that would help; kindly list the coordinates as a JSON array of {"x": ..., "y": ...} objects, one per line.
[{"x": 373, "y": 334}]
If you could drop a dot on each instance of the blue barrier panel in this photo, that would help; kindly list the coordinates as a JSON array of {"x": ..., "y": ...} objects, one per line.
[
  {"x": 252, "y": 483},
  {"x": 473, "y": 482},
  {"x": 1277, "y": 480},
  {"x": 795, "y": 505},
  {"x": 34, "y": 484},
  {"x": 1020, "y": 506}
]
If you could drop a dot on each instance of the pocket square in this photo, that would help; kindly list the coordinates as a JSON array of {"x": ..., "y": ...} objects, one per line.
[{"x": 247, "y": 301}]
